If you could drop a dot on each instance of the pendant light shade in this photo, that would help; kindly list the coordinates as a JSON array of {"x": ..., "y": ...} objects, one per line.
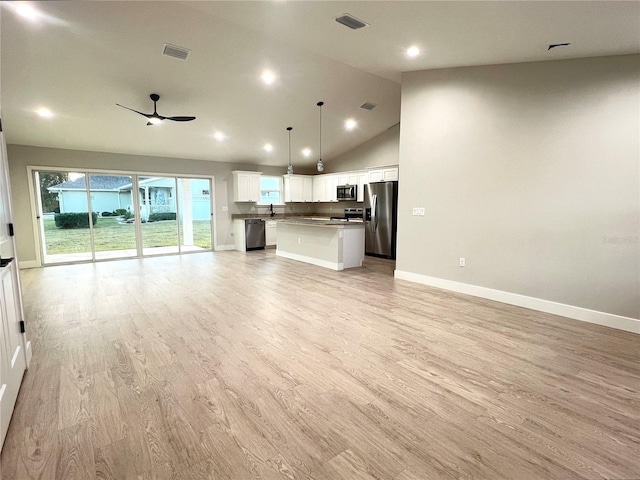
[
  {"x": 320, "y": 164},
  {"x": 289, "y": 167}
]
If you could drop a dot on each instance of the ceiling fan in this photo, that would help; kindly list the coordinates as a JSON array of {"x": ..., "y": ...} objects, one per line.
[{"x": 154, "y": 118}]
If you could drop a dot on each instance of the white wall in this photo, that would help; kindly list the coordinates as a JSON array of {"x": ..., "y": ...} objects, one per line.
[
  {"x": 531, "y": 172},
  {"x": 21, "y": 156},
  {"x": 380, "y": 151}
]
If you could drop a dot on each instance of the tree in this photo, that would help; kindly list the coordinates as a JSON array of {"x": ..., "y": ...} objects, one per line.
[{"x": 50, "y": 199}]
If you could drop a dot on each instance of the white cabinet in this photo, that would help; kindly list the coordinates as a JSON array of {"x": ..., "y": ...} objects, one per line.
[
  {"x": 363, "y": 179},
  {"x": 298, "y": 188},
  {"x": 246, "y": 186},
  {"x": 319, "y": 182},
  {"x": 383, "y": 174},
  {"x": 348, "y": 178},
  {"x": 330, "y": 187},
  {"x": 271, "y": 233}
]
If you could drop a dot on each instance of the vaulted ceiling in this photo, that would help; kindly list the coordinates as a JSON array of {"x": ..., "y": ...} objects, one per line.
[{"x": 79, "y": 59}]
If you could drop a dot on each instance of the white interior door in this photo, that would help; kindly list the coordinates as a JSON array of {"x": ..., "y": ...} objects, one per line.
[{"x": 13, "y": 360}]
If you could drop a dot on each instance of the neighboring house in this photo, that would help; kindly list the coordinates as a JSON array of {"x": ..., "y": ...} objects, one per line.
[
  {"x": 156, "y": 195},
  {"x": 106, "y": 194}
]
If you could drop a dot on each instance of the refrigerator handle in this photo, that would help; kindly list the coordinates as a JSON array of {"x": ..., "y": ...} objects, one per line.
[{"x": 374, "y": 212}]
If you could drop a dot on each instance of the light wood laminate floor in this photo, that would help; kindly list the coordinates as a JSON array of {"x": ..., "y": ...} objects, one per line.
[{"x": 246, "y": 366}]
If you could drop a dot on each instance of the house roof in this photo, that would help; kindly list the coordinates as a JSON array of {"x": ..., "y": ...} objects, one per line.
[{"x": 96, "y": 182}]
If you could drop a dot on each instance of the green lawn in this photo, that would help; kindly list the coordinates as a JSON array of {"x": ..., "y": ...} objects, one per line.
[{"x": 110, "y": 235}]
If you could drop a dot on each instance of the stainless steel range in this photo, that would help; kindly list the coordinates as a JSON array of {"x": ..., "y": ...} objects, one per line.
[{"x": 350, "y": 215}]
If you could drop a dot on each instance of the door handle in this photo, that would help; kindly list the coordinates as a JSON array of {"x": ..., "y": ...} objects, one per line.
[{"x": 374, "y": 213}]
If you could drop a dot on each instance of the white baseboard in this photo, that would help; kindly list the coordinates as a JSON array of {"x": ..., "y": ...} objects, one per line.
[
  {"x": 22, "y": 264},
  {"x": 311, "y": 260},
  {"x": 577, "y": 313},
  {"x": 221, "y": 248}
]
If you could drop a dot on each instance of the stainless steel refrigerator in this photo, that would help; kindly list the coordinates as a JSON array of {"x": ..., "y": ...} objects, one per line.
[{"x": 381, "y": 218}]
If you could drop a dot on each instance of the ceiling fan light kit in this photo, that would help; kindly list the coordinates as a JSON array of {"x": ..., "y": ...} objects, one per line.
[{"x": 155, "y": 118}]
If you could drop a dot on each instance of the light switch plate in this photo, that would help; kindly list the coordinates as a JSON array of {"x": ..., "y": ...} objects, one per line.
[{"x": 418, "y": 211}]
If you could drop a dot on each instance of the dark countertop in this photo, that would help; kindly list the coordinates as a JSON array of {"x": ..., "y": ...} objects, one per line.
[
  {"x": 318, "y": 222},
  {"x": 266, "y": 216}
]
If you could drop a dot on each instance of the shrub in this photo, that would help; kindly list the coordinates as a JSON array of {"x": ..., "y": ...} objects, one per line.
[
  {"x": 120, "y": 211},
  {"x": 156, "y": 217},
  {"x": 108, "y": 214},
  {"x": 75, "y": 219},
  {"x": 127, "y": 215}
]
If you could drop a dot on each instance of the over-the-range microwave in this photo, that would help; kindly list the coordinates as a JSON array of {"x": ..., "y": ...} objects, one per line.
[{"x": 347, "y": 193}]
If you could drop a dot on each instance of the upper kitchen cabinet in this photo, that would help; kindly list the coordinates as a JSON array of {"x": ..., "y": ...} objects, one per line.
[
  {"x": 348, "y": 178},
  {"x": 319, "y": 182},
  {"x": 363, "y": 178},
  {"x": 298, "y": 188},
  {"x": 387, "y": 174},
  {"x": 246, "y": 186}
]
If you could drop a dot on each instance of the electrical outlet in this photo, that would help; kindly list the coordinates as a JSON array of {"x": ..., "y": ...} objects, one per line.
[
  {"x": 225, "y": 209},
  {"x": 418, "y": 211},
  {"x": 462, "y": 262},
  {"x": 299, "y": 240}
]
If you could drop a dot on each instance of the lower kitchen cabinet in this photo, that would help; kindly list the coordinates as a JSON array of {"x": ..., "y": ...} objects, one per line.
[{"x": 271, "y": 233}]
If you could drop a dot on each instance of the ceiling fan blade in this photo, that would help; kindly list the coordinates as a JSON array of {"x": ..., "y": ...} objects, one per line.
[
  {"x": 148, "y": 115},
  {"x": 180, "y": 119}
]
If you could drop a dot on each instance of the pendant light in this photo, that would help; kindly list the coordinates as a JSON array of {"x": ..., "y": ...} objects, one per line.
[
  {"x": 320, "y": 165},
  {"x": 289, "y": 167}
]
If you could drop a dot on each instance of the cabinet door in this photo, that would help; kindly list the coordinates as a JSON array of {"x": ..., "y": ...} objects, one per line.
[
  {"x": 253, "y": 194},
  {"x": 319, "y": 183},
  {"x": 331, "y": 194},
  {"x": 242, "y": 187},
  {"x": 362, "y": 180},
  {"x": 293, "y": 188},
  {"x": 343, "y": 179},
  {"x": 352, "y": 178},
  {"x": 307, "y": 189},
  {"x": 390, "y": 174},
  {"x": 271, "y": 233},
  {"x": 375, "y": 176},
  {"x": 296, "y": 189}
]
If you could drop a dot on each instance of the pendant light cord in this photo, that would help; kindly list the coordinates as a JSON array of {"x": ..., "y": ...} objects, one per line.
[
  {"x": 320, "y": 149},
  {"x": 320, "y": 164},
  {"x": 289, "y": 167}
]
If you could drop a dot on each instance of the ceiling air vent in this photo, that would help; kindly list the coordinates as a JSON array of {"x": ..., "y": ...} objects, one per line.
[
  {"x": 351, "y": 21},
  {"x": 176, "y": 52},
  {"x": 368, "y": 106}
]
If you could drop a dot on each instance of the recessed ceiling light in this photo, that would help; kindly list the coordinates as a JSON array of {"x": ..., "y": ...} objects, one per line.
[
  {"x": 268, "y": 147},
  {"x": 27, "y": 11},
  {"x": 413, "y": 51},
  {"x": 306, "y": 152},
  {"x": 268, "y": 77},
  {"x": 219, "y": 136},
  {"x": 350, "y": 124},
  {"x": 45, "y": 112}
]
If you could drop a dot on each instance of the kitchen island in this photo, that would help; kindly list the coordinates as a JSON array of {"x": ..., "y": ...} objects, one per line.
[{"x": 331, "y": 244}]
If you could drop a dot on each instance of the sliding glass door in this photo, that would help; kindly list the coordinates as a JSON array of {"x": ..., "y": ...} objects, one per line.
[
  {"x": 158, "y": 214},
  {"x": 114, "y": 234},
  {"x": 99, "y": 216},
  {"x": 194, "y": 200},
  {"x": 64, "y": 220}
]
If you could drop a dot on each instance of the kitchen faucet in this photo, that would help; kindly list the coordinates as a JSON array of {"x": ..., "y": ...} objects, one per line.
[{"x": 271, "y": 212}]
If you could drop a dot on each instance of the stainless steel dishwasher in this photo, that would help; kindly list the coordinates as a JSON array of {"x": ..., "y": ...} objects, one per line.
[{"x": 254, "y": 233}]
